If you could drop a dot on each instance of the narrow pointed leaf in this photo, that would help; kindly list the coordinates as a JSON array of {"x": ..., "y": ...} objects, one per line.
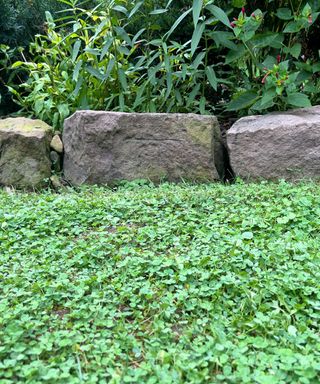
[
  {"x": 196, "y": 10},
  {"x": 219, "y": 14}
]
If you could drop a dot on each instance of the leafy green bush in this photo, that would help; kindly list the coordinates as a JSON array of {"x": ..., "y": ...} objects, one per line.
[
  {"x": 98, "y": 59},
  {"x": 91, "y": 62},
  {"x": 266, "y": 50},
  {"x": 7, "y": 58}
]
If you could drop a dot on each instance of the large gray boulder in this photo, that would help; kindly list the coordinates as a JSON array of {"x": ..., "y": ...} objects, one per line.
[
  {"x": 105, "y": 147},
  {"x": 24, "y": 152},
  {"x": 277, "y": 146}
]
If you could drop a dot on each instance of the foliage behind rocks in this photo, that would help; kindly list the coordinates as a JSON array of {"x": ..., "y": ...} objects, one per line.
[{"x": 203, "y": 57}]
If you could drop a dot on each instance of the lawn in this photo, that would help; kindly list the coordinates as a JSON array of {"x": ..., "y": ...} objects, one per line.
[{"x": 169, "y": 284}]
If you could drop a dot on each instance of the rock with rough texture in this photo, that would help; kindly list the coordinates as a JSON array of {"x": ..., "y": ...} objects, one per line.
[
  {"x": 105, "y": 147},
  {"x": 56, "y": 161},
  {"x": 24, "y": 152},
  {"x": 277, "y": 146},
  {"x": 56, "y": 144}
]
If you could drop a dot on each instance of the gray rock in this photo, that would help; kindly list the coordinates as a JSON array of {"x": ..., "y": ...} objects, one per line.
[
  {"x": 104, "y": 147},
  {"x": 277, "y": 146},
  {"x": 24, "y": 152},
  {"x": 56, "y": 161},
  {"x": 56, "y": 144}
]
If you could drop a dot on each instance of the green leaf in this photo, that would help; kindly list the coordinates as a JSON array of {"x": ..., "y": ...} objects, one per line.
[
  {"x": 268, "y": 96},
  {"x": 236, "y": 54},
  {"x": 244, "y": 100},
  {"x": 284, "y": 13},
  {"x": 224, "y": 39},
  {"x": 292, "y": 27},
  {"x": 17, "y": 64},
  {"x": 292, "y": 330},
  {"x": 110, "y": 66},
  {"x": 196, "y": 37},
  {"x": 135, "y": 9},
  {"x": 95, "y": 72},
  {"x": 106, "y": 47},
  {"x": 295, "y": 50},
  {"x": 211, "y": 76},
  {"x": 38, "y": 105},
  {"x": 198, "y": 60},
  {"x": 158, "y": 11},
  {"x": 219, "y": 14},
  {"x": 247, "y": 235},
  {"x": 76, "y": 70},
  {"x": 196, "y": 10},
  {"x": 178, "y": 21},
  {"x": 120, "y": 8},
  {"x": 123, "y": 79},
  {"x": 239, "y": 3},
  {"x": 75, "y": 50},
  {"x": 268, "y": 39},
  {"x": 298, "y": 100}
]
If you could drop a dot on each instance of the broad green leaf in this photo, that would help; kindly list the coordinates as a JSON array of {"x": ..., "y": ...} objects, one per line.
[
  {"x": 258, "y": 106},
  {"x": 244, "y": 100},
  {"x": 292, "y": 330},
  {"x": 298, "y": 100},
  {"x": 268, "y": 96},
  {"x": 236, "y": 54},
  {"x": 284, "y": 13},
  {"x": 292, "y": 27},
  {"x": 268, "y": 39},
  {"x": 63, "y": 110},
  {"x": 295, "y": 50},
  {"x": 224, "y": 39}
]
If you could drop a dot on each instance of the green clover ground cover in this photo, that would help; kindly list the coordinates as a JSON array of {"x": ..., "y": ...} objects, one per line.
[{"x": 169, "y": 284}]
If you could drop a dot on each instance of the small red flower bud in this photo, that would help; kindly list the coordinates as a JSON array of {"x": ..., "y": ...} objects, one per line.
[
  {"x": 310, "y": 19},
  {"x": 253, "y": 15},
  {"x": 232, "y": 25},
  {"x": 243, "y": 10},
  {"x": 278, "y": 59}
]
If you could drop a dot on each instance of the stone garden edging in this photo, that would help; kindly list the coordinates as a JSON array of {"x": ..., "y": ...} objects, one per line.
[
  {"x": 280, "y": 145},
  {"x": 105, "y": 147}
]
